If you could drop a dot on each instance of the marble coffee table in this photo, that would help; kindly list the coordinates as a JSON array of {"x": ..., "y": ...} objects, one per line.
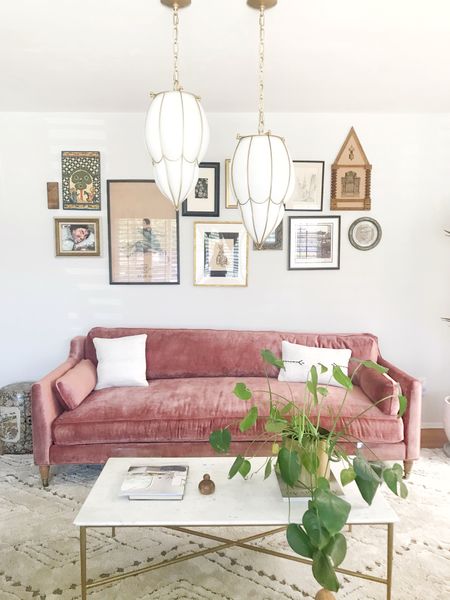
[{"x": 235, "y": 502}]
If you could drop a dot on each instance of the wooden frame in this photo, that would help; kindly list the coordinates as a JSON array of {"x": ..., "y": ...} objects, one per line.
[
  {"x": 230, "y": 200},
  {"x": 351, "y": 176},
  {"x": 308, "y": 190},
  {"x": 143, "y": 234},
  {"x": 316, "y": 248},
  {"x": 77, "y": 237},
  {"x": 196, "y": 205}
]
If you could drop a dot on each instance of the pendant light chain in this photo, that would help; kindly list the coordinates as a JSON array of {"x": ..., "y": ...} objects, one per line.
[
  {"x": 176, "y": 74},
  {"x": 261, "y": 69}
]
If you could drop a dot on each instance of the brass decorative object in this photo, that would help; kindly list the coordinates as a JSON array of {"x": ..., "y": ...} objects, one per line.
[
  {"x": 325, "y": 595},
  {"x": 206, "y": 485},
  {"x": 351, "y": 176},
  {"x": 176, "y": 3},
  {"x": 258, "y": 4}
]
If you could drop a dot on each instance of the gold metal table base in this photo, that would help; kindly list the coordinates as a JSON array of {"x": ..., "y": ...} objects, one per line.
[{"x": 227, "y": 543}]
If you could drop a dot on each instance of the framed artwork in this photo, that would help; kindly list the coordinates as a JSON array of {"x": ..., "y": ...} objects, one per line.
[
  {"x": 81, "y": 180},
  {"x": 308, "y": 190},
  {"x": 314, "y": 242},
  {"x": 365, "y": 233},
  {"x": 274, "y": 241},
  {"x": 77, "y": 237},
  {"x": 204, "y": 198},
  {"x": 143, "y": 234},
  {"x": 230, "y": 200},
  {"x": 351, "y": 176},
  {"x": 220, "y": 254}
]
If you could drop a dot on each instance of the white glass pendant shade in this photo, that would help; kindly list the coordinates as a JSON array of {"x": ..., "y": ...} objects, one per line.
[
  {"x": 177, "y": 136},
  {"x": 262, "y": 180}
]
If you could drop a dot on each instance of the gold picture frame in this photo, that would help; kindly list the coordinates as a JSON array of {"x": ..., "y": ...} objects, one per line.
[
  {"x": 230, "y": 200},
  {"x": 77, "y": 237}
]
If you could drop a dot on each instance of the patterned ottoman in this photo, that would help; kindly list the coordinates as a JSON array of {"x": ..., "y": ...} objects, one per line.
[{"x": 15, "y": 419}]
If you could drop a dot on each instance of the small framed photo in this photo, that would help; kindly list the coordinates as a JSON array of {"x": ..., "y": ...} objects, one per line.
[
  {"x": 204, "y": 198},
  {"x": 230, "y": 200},
  {"x": 77, "y": 237},
  {"x": 143, "y": 234},
  {"x": 314, "y": 242},
  {"x": 220, "y": 254},
  {"x": 365, "y": 233},
  {"x": 308, "y": 190},
  {"x": 81, "y": 184},
  {"x": 274, "y": 241}
]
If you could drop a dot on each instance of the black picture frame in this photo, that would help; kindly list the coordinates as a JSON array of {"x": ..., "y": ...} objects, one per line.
[
  {"x": 215, "y": 212},
  {"x": 274, "y": 241},
  {"x": 143, "y": 214},
  {"x": 321, "y": 179},
  {"x": 335, "y": 242}
]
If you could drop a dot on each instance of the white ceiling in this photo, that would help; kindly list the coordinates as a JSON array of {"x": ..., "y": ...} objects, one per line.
[{"x": 322, "y": 55}]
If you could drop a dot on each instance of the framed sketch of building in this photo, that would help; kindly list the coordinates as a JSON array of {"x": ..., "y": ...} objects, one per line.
[
  {"x": 351, "y": 176},
  {"x": 308, "y": 189},
  {"x": 314, "y": 243}
]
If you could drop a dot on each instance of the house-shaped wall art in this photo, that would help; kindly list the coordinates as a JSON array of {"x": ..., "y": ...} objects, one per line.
[{"x": 350, "y": 176}]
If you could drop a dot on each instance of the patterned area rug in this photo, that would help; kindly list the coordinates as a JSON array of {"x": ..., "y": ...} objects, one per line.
[{"x": 39, "y": 547}]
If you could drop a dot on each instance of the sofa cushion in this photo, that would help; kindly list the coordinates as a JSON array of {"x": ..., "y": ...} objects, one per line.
[
  {"x": 188, "y": 353},
  {"x": 190, "y": 409},
  {"x": 76, "y": 384}
]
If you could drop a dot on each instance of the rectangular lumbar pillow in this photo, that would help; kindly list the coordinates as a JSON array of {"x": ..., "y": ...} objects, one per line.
[
  {"x": 299, "y": 359},
  {"x": 75, "y": 385},
  {"x": 121, "y": 361}
]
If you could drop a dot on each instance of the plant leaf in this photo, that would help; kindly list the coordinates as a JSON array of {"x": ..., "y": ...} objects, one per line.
[
  {"x": 245, "y": 468},
  {"x": 268, "y": 469},
  {"x": 347, "y": 476},
  {"x": 403, "y": 490},
  {"x": 333, "y": 510},
  {"x": 403, "y": 403},
  {"x": 323, "y": 391},
  {"x": 298, "y": 540},
  {"x": 317, "y": 534},
  {"x": 249, "y": 420},
  {"x": 270, "y": 358},
  {"x": 310, "y": 460},
  {"x": 336, "y": 549},
  {"x": 342, "y": 378},
  {"x": 235, "y": 466},
  {"x": 323, "y": 572},
  {"x": 391, "y": 480},
  {"x": 275, "y": 448},
  {"x": 242, "y": 391},
  {"x": 287, "y": 408},
  {"x": 220, "y": 440},
  {"x": 364, "y": 470},
  {"x": 370, "y": 364},
  {"x": 323, "y": 368},
  {"x": 367, "y": 489},
  {"x": 323, "y": 484},
  {"x": 275, "y": 426},
  {"x": 289, "y": 466}
]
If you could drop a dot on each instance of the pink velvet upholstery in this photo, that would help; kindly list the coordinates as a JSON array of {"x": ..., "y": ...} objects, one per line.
[
  {"x": 192, "y": 374},
  {"x": 75, "y": 385},
  {"x": 381, "y": 388}
]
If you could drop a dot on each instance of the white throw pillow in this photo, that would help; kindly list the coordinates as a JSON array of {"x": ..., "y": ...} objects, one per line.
[
  {"x": 309, "y": 356},
  {"x": 121, "y": 361}
]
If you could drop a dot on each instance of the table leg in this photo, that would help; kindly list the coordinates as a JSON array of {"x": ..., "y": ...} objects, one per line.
[
  {"x": 390, "y": 559},
  {"x": 83, "y": 562}
]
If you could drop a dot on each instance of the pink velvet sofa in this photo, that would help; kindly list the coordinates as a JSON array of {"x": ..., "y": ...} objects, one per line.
[{"x": 191, "y": 376}]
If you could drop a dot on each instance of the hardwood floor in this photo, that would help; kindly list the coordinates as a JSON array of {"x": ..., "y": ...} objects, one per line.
[{"x": 433, "y": 438}]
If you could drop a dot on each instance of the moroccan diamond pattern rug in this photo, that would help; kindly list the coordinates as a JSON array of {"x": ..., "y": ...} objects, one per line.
[{"x": 39, "y": 547}]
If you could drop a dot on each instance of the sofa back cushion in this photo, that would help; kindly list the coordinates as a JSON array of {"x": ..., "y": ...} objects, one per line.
[{"x": 172, "y": 353}]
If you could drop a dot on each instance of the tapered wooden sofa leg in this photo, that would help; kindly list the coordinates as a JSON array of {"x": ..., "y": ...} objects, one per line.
[
  {"x": 407, "y": 468},
  {"x": 44, "y": 470}
]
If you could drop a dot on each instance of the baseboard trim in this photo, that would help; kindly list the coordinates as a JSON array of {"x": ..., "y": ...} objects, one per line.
[{"x": 432, "y": 438}]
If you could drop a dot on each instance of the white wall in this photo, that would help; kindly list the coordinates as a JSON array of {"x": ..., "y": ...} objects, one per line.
[{"x": 398, "y": 291}]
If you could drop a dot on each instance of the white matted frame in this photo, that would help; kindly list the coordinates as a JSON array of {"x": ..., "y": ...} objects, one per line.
[
  {"x": 308, "y": 189},
  {"x": 220, "y": 254},
  {"x": 314, "y": 243}
]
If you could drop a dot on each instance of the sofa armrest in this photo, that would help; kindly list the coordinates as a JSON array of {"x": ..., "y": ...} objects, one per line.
[
  {"x": 412, "y": 389},
  {"x": 45, "y": 406},
  {"x": 381, "y": 388}
]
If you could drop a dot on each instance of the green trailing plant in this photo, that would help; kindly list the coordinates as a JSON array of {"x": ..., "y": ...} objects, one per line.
[{"x": 299, "y": 444}]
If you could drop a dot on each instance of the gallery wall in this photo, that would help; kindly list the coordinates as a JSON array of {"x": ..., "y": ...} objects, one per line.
[{"x": 399, "y": 290}]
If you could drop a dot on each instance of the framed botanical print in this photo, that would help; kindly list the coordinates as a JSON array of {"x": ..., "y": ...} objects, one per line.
[
  {"x": 314, "y": 242},
  {"x": 230, "y": 200},
  {"x": 143, "y": 234},
  {"x": 308, "y": 189},
  {"x": 274, "y": 241},
  {"x": 220, "y": 254},
  {"x": 203, "y": 201},
  {"x": 81, "y": 180},
  {"x": 77, "y": 237},
  {"x": 365, "y": 233}
]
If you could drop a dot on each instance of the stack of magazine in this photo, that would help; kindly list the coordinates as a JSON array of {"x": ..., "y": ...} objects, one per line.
[{"x": 152, "y": 482}]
